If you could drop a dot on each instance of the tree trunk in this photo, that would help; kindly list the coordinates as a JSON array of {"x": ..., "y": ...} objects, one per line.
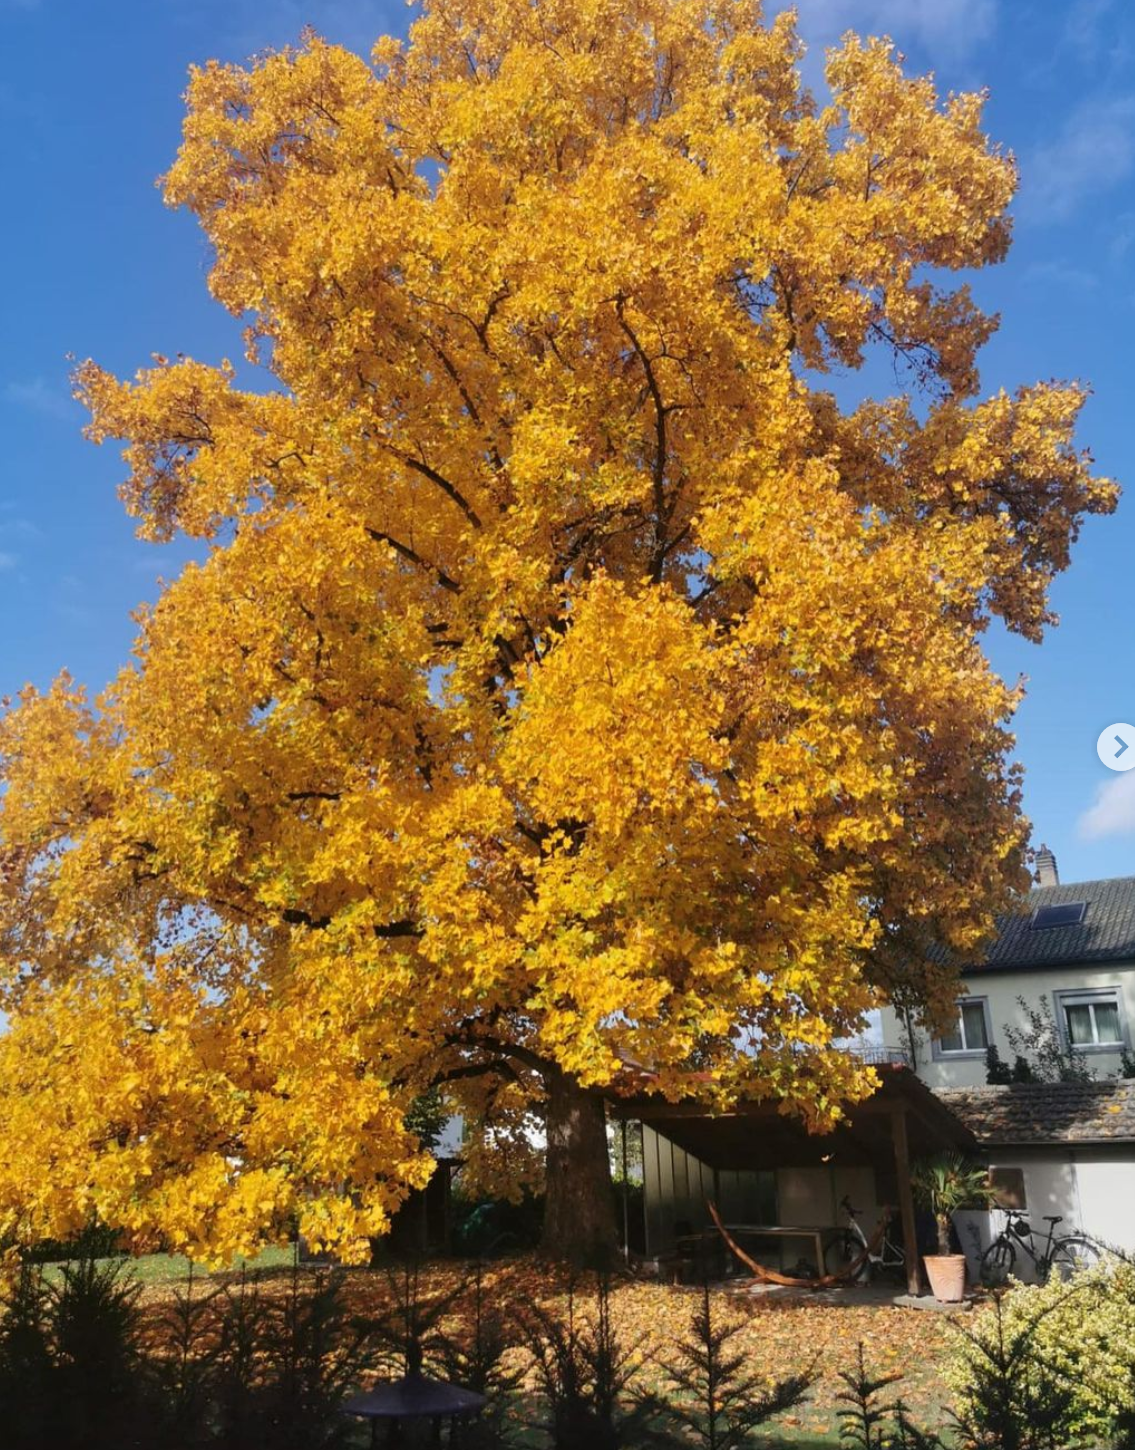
[{"x": 579, "y": 1209}]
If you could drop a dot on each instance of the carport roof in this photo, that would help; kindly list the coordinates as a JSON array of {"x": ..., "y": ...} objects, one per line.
[{"x": 758, "y": 1135}]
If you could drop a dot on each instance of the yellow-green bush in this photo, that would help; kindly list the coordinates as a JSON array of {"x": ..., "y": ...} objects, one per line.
[{"x": 1079, "y": 1335}]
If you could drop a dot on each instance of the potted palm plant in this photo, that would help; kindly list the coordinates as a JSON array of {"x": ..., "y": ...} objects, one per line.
[{"x": 944, "y": 1185}]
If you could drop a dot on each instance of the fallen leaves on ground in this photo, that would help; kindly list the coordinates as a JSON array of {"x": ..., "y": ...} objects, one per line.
[{"x": 783, "y": 1334}]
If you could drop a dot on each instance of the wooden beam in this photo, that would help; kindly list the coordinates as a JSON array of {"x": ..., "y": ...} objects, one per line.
[{"x": 906, "y": 1200}]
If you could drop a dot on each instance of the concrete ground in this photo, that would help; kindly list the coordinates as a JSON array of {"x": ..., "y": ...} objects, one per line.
[{"x": 857, "y": 1296}]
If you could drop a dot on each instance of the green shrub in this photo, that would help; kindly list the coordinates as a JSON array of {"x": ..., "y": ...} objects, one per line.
[
  {"x": 98, "y": 1379},
  {"x": 95, "y": 1241},
  {"x": 1072, "y": 1341},
  {"x": 26, "y": 1409}
]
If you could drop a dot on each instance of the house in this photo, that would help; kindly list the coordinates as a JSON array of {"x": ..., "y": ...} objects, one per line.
[
  {"x": 1071, "y": 948},
  {"x": 1063, "y": 1147}
]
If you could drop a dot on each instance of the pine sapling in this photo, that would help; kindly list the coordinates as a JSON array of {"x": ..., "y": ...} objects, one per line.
[
  {"x": 26, "y": 1363},
  {"x": 720, "y": 1400},
  {"x": 587, "y": 1372},
  {"x": 1014, "y": 1400},
  {"x": 182, "y": 1362},
  {"x": 864, "y": 1419},
  {"x": 475, "y": 1358}
]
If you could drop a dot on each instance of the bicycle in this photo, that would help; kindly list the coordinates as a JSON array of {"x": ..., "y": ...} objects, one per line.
[
  {"x": 1064, "y": 1253},
  {"x": 852, "y": 1243}
]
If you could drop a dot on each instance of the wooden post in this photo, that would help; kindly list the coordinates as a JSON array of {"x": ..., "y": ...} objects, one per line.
[
  {"x": 626, "y": 1201},
  {"x": 906, "y": 1199}
]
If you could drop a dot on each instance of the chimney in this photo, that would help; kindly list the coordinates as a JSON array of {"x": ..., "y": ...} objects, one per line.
[{"x": 1046, "y": 872}]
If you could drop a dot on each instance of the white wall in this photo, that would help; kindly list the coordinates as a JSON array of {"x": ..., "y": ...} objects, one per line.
[
  {"x": 1002, "y": 990},
  {"x": 810, "y": 1197},
  {"x": 1107, "y": 1199},
  {"x": 451, "y": 1141},
  {"x": 1094, "y": 1193}
]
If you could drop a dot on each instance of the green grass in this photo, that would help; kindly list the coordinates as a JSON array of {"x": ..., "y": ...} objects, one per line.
[{"x": 170, "y": 1268}]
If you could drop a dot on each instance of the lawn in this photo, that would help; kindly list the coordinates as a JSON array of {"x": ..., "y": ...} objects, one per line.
[{"x": 169, "y": 1269}]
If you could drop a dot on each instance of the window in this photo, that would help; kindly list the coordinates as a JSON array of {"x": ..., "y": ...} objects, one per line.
[
  {"x": 1092, "y": 1020},
  {"x": 971, "y": 1036},
  {"x": 1071, "y": 913},
  {"x": 1008, "y": 1186}
]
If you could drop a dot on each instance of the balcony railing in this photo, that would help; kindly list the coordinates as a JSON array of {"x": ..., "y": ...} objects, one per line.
[{"x": 883, "y": 1056}]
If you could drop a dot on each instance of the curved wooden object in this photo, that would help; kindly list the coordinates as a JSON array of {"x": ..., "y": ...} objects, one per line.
[{"x": 822, "y": 1281}]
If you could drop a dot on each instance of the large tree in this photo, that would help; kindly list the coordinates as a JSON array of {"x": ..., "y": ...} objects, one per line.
[{"x": 574, "y": 679}]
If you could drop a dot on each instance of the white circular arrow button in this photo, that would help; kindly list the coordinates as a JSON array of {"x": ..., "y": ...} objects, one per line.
[{"x": 1116, "y": 746}]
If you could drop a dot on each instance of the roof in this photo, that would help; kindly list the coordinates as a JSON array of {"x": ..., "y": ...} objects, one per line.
[
  {"x": 1106, "y": 934},
  {"x": 758, "y": 1135},
  {"x": 1038, "y": 1113}
]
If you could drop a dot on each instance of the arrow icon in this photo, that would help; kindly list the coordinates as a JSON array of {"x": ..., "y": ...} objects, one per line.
[{"x": 1120, "y": 733}]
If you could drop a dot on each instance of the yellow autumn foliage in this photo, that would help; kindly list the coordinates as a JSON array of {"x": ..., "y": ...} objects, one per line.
[{"x": 570, "y": 679}]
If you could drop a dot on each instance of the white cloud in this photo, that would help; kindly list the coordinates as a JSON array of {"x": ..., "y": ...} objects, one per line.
[
  {"x": 945, "y": 29},
  {"x": 1113, "y": 811},
  {"x": 1094, "y": 152},
  {"x": 39, "y": 397}
]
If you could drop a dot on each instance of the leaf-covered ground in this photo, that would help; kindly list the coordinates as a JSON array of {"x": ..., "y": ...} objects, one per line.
[{"x": 781, "y": 1337}]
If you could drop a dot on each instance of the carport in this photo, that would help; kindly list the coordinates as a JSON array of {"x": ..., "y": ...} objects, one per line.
[{"x": 765, "y": 1169}]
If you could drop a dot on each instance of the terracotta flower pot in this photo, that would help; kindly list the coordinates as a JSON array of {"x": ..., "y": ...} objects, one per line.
[{"x": 947, "y": 1275}]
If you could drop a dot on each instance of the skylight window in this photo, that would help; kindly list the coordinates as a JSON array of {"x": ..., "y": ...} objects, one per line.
[{"x": 1071, "y": 913}]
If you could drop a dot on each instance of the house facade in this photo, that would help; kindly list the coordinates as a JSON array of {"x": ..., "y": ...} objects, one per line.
[
  {"x": 1063, "y": 1148},
  {"x": 1070, "y": 949}
]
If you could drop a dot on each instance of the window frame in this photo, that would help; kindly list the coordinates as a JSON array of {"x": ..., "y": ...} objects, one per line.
[
  {"x": 1075, "y": 996},
  {"x": 963, "y": 1054}
]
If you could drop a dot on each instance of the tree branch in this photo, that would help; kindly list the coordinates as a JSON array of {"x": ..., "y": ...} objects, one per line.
[
  {"x": 407, "y": 553},
  {"x": 532, "y": 1060},
  {"x": 387, "y": 931},
  {"x": 658, "y": 473},
  {"x": 498, "y": 1065},
  {"x": 420, "y": 466}
]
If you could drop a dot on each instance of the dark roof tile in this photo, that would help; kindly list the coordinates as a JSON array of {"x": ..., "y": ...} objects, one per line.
[
  {"x": 1106, "y": 934},
  {"x": 1036, "y": 1113}
]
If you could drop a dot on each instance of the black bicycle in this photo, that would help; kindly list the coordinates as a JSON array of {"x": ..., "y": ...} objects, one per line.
[{"x": 1061, "y": 1254}]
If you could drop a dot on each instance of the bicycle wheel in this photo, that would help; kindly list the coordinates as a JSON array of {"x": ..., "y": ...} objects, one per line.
[
  {"x": 998, "y": 1262},
  {"x": 841, "y": 1253},
  {"x": 893, "y": 1266},
  {"x": 1071, "y": 1254}
]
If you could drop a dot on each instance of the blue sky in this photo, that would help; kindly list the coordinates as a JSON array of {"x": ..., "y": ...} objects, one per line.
[{"x": 94, "y": 265}]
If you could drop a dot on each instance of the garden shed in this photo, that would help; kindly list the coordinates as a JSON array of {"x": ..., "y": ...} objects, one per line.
[{"x": 1063, "y": 1148}]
